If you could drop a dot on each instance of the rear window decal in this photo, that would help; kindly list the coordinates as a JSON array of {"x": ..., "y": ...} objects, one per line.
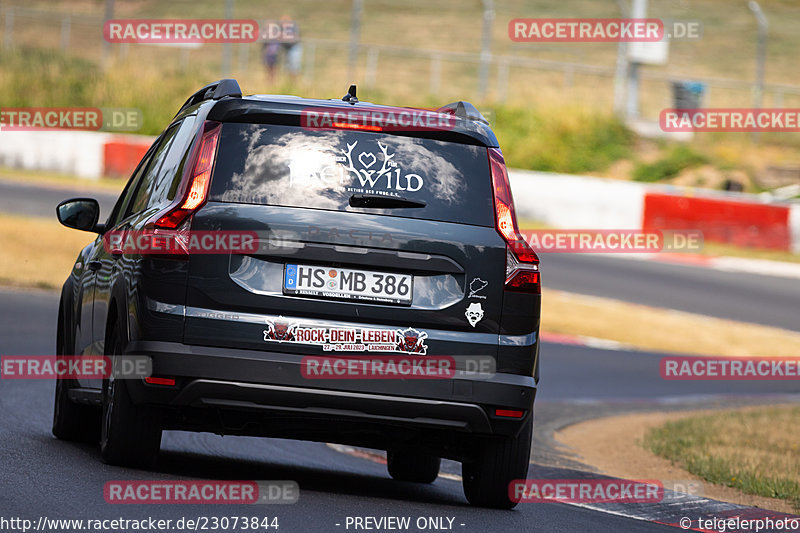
[{"x": 389, "y": 168}]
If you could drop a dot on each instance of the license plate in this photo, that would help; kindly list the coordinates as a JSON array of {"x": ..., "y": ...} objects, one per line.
[{"x": 348, "y": 284}]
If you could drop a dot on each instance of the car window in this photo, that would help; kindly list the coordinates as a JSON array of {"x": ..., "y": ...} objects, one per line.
[
  {"x": 140, "y": 200},
  {"x": 299, "y": 167},
  {"x": 116, "y": 215},
  {"x": 169, "y": 176}
]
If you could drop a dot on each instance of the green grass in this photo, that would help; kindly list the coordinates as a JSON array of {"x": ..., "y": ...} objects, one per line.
[
  {"x": 753, "y": 450},
  {"x": 672, "y": 163},
  {"x": 53, "y": 79},
  {"x": 561, "y": 140}
]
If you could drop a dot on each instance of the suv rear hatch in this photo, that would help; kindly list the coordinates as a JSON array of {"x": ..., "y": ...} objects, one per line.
[{"x": 368, "y": 242}]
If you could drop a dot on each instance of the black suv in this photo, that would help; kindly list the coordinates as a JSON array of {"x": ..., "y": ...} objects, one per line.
[{"x": 378, "y": 233}]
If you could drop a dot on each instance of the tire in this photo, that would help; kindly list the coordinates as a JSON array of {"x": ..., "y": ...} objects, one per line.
[
  {"x": 498, "y": 461},
  {"x": 71, "y": 421},
  {"x": 130, "y": 435},
  {"x": 405, "y": 466}
]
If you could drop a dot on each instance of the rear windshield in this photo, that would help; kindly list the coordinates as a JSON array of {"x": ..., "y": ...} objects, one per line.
[{"x": 297, "y": 167}]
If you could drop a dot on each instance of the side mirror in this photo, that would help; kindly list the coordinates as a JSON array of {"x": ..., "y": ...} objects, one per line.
[{"x": 79, "y": 213}]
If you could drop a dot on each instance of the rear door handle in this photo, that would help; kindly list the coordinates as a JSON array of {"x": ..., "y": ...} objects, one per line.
[{"x": 94, "y": 266}]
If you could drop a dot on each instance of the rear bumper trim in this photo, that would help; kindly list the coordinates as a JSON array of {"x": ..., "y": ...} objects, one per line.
[
  {"x": 258, "y": 381},
  {"x": 430, "y": 414}
]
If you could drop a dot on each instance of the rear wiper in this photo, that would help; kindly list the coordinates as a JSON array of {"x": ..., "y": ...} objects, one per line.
[{"x": 379, "y": 201}]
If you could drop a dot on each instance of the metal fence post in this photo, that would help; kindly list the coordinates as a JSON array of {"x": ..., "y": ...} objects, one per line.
[
  {"x": 184, "y": 59},
  {"x": 8, "y": 37},
  {"x": 621, "y": 67},
  {"x": 226, "y": 47},
  {"x": 569, "y": 75},
  {"x": 638, "y": 11},
  {"x": 66, "y": 24},
  {"x": 243, "y": 58},
  {"x": 435, "y": 81},
  {"x": 355, "y": 37},
  {"x": 108, "y": 14},
  {"x": 760, "y": 52},
  {"x": 372, "y": 66},
  {"x": 502, "y": 80},
  {"x": 486, "y": 48}
]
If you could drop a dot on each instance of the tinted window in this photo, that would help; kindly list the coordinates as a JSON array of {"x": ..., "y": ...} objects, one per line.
[
  {"x": 169, "y": 176},
  {"x": 290, "y": 166},
  {"x": 116, "y": 215},
  {"x": 140, "y": 201}
]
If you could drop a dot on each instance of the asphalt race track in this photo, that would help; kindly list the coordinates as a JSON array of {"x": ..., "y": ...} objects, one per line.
[
  {"x": 44, "y": 476},
  {"x": 66, "y": 480},
  {"x": 41, "y": 476},
  {"x": 38, "y": 201},
  {"x": 768, "y": 300}
]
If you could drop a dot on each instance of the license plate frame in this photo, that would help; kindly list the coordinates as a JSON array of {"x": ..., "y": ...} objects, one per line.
[{"x": 340, "y": 284}]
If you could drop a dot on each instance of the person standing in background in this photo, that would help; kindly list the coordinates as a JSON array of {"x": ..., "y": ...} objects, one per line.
[{"x": 283, "y": 35}]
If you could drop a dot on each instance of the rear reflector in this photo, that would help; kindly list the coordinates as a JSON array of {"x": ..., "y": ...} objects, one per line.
[
  {"x": 160, "y": 381},
  {"x": 509, "y": 413}
]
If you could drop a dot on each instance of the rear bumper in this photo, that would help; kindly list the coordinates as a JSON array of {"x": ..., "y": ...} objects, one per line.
[{"x": 233, "y": 391}]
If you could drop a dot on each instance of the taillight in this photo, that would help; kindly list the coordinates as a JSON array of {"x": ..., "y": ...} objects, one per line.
[
  {"x": 198, "y": 176},
  {"x": 174, "y": 221},
  {"x": 522, "y": 263}
]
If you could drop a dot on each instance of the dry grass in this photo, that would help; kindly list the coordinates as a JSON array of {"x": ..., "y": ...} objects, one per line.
[
  {"x": 662, "y": 330},
  {"x": 56, "y": 180},
  {"x": 754, "y": 450},
  {"x": 719, "y": 249},
  {"x": 37, "y": 252},
  {"x": 613, "y": 445}
]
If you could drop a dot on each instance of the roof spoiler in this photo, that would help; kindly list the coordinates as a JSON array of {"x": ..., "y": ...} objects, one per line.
[
  {"x": 463, "y": 110},
  {"x": 213, "y": 91}
]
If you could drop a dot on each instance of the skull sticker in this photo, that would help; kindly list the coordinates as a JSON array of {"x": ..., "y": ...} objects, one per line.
[
  {"x": 279, "y": 330},
  {"x": 474, "y": 313},
  {"x": 412, "y": 341}
]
